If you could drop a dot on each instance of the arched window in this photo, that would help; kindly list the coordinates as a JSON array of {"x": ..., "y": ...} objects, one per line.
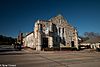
[
  {"x": 59, "y": 30},
  {"x": 62, "y": 30},
  {"x": 40, "y": 27}
]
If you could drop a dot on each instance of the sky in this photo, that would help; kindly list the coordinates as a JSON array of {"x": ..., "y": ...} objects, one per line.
[{"x": 20, "y": 15}]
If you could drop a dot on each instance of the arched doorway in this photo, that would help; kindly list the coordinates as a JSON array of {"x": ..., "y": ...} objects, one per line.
[
  {"x": 45, "y": 43},
  {"x": 72, "y": 44}
]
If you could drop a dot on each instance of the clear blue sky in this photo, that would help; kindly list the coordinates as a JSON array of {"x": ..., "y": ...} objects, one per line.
[{"x": 20, "y": 15}]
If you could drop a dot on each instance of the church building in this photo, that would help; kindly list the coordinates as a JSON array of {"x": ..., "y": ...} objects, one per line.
[{"x": 53, "y": 33}]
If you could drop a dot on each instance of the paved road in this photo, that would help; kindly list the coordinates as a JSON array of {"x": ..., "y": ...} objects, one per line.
[
  {"x": 29, "y": 58},
  {"x": 4, "y": 48}
]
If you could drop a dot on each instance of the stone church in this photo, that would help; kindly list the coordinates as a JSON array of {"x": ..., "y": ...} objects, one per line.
[{"x": 53, "y": 33}]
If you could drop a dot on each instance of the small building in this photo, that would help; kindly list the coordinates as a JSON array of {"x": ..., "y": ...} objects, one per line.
[
  {"x": 28, "y": 40},
  {"x": 53, "y": 33},
  {"x": 92, "y": 43}
]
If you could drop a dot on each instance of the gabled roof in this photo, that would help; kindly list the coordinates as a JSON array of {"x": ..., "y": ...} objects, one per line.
[
  {"x": 28, "y": 34},
  {"x": 59, "y": 15},
  {"x": 62, "y": 17},
  {"x": 93, "y": 40}
]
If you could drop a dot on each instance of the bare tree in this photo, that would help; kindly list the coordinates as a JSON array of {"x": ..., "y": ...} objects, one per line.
[{"x": 91, "y": 34}]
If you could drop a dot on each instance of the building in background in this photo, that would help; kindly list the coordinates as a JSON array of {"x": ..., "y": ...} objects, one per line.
[
  {"x": 52, "y": 33},
  {"x": 20, "y": 38},
  {"x": 93, "y": 43}
]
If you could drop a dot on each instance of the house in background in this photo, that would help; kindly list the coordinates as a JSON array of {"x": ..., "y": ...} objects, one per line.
[
  {"x": 92, "y": 43},
  {"x": 52, "y": 33}
]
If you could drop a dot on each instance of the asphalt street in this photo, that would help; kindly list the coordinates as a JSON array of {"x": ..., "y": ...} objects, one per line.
[{"x": 31, "y": 58}]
